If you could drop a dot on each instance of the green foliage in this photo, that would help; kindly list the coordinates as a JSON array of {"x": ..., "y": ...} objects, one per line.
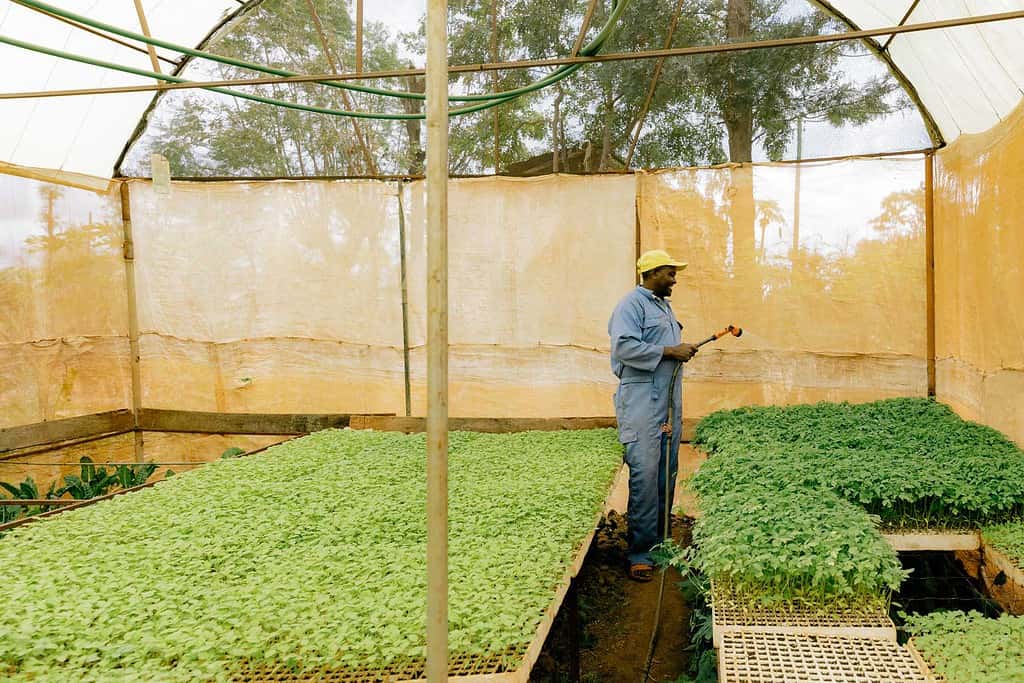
[
  {"x": 790, "y": 543},
  {"x": 128, "y": 476},
  {"x": 970, "y": 648},
  {"x": 912, "y": 462},
  {"x": 1007, "y": 538},
  {"x": 792, "y": 497},
  {"x": 310, "y": 554},
  {"x": 233, "y": 452},
  {"x": 705, "y": 109},
  {"x": 26, "y": 490},
  {"x": 92, "y": 482}
]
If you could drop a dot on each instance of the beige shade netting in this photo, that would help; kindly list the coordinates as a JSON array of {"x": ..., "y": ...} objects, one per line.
[
  {"x": 63, "y": 303},
  {"x": 979, "y": 276}
]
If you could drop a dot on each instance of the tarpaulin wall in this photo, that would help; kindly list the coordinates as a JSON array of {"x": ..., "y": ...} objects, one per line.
[
  {"x": 63, "y": 303},
  {"x": 823, "y": 265},
  {"x": 979, "y": 275}
]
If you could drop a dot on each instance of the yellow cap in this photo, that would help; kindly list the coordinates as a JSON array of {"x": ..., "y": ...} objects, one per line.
[{"x": 650, "y": 260}]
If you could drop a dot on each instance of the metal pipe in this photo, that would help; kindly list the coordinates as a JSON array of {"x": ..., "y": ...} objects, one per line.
[
  {"x": 554, "y": 61},
  {"x": 437, "y": 341}
]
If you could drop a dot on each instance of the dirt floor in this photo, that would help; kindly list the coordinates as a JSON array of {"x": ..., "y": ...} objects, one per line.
[{"x": 617, "y": 614}]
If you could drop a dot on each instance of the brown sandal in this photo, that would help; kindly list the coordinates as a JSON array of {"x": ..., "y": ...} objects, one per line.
[{"x": 641, "y": 572}]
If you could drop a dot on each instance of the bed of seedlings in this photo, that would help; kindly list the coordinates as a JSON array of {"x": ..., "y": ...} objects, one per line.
[
  {"x": 309, "y": 555},
  {"x": 967, "y": 647},
  {"x": 1007, "y": 538},
  {"x": 793, "y": 498}
]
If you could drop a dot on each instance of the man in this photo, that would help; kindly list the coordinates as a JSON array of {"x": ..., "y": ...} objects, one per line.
[{"x": 646, "y": 349}]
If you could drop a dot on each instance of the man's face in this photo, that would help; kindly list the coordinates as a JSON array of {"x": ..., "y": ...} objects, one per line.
[{"x": 662, "y": 280}]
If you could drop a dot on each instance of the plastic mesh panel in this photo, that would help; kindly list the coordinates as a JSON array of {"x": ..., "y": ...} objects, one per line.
[
  {"x": 459, "y": 665},
  {"x": 770, "y": 657}
]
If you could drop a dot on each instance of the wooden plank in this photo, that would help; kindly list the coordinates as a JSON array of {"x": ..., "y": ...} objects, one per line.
[
  {"x": 498, "y": 425},
  {"x": 67, "y": 429},
  {"x": 154, "y": 420},
  {"x": 926, "y": 668},
  {"x": 492, "y": 425},
  {"x": 937, "y": 542},
  {"x": 929, "y": 250},
  {"x": 1009, "y": 593}
]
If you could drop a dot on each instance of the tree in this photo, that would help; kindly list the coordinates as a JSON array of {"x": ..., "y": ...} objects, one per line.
[
  {"x": 705, "y": 109},
  {"x": 204, "y": 134}
]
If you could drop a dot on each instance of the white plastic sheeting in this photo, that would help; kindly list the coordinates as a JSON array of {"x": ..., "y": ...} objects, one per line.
[
  {"x": 969, "y": 78},
  {"x": 85, "y": 134}
]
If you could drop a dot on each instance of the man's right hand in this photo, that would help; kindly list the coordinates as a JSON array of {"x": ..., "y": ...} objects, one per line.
[{"x": 682, "y": 353}]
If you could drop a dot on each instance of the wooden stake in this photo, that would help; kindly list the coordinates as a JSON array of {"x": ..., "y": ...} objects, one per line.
[
  {"x": 929, "y": 242},
  {"x": 133, "y": 318},
  {"x": 359, "y": 36},
  {"x": 405, "y": 300},
  {"x": 154, "y": 61},
  {"x": 494, "y": 87},
  {"x": 437, "y": 341}
]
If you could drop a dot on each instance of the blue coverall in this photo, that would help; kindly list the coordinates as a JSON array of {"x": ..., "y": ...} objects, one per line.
[{"x": 641, "y": 326}]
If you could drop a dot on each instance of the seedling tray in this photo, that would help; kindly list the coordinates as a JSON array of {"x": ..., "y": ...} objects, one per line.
[
  {"x": 747, "y": 657},
  {"x": 731, "y": 615}
]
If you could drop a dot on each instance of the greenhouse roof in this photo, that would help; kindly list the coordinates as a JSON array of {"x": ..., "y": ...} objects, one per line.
[{"x": 967, "y": 78}]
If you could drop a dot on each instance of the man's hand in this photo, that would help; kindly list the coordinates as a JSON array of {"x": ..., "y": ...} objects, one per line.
[{"x": 682, "y": 353}]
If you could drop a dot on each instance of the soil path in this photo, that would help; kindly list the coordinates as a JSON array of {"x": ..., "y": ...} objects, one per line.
[{"x": 617, "y": 614}]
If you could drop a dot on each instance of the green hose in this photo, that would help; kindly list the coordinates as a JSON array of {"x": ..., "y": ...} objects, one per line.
[
  {"x": 235, "y": 93},
  {"x": 491, "y": 99}
]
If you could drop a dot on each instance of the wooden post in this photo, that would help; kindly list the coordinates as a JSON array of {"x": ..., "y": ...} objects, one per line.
[
  {"x": 494, "y": 86},
  {"x": 405, "y": 300},
  {"x": 929, "y": 241},
  {"x": 153, "y": 60},
  {"x": 133, "y": 317},
  {"x": 359, "y": 36},
  {"x": 437, "y": 341},
  {"x": 796, "y": 192}
]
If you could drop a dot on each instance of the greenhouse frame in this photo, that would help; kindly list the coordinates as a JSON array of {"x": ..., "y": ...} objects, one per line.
[{"x": 245, "y": 354}]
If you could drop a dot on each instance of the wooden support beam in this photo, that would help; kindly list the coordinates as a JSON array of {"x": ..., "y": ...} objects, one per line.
[
  {"x": 154, "y": 60},
  {"x": 134, "y": 360},
  {"x": 929, "y": 242},
  {"x": 437, "y": 341},
  {"x": 405, "y": 299},
  {"x": 83, "y": 427},
  {"x": 491, "y": 425},
  {"x": 359, "y": 36},
  {"x": 909, "y": 542},
  {"x": 154, "y": 420}
]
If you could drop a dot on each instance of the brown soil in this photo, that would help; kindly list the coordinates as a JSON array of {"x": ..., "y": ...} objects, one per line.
[{"x": 617, "y": 617}]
